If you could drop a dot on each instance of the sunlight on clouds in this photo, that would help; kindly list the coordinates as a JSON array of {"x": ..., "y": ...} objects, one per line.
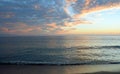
[
  {"x": 98, "y": 9},
  {"x": 19, "y": 28},
  {"x": 87, "y": 10},
  {"x": 76, "y": 22},
  {"x": 87, "y": 2},
  {"x": 59, "y": 17},
  {"x": 52, "y": 25}
]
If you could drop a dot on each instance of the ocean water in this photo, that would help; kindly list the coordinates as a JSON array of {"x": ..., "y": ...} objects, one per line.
[{"x": 60, "y": 50}]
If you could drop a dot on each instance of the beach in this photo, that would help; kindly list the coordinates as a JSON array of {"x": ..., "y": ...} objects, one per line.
[
  {"x": 68, "y": 69},
  {"x": 59, "y": 37}
]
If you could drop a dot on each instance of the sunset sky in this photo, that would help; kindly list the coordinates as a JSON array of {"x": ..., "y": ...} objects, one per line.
[{"x": 59, "y": 17}]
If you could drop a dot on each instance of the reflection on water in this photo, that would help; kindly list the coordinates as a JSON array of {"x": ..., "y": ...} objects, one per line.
[
  {"x": 60, "y": 49},
  {"x": 80, "y": 69},
  {"x": 83, "y": 69}
]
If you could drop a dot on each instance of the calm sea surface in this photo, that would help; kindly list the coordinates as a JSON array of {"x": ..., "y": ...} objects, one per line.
[{"x": 60, "y": 50}]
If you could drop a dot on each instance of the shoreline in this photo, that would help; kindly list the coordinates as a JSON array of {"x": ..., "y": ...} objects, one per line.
[
  {"x": 56, "y": 69},
  {"x": 57, "y": 64}
]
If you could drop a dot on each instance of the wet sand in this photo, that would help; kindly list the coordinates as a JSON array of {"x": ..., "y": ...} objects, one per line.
[{"x": 69, "y": 69}]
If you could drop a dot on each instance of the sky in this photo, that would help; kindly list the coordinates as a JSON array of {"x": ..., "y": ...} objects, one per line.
[{"x": 59, "y": 17}]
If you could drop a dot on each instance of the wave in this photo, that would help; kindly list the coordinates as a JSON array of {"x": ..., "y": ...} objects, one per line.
[
  {"x": 99, "y": 47},
  {"x": 60, "y": 64},
  {"x": 61, "y": 60}
]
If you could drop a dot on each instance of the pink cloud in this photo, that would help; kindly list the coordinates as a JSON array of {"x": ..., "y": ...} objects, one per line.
[
  {"x": 96, "y": 8},
  {"x": 52, "y": 25},
  {"x": 76, "y": 22},
  {"x": 18, "y": 28}
]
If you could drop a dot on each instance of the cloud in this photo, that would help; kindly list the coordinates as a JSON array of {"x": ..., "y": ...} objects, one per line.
[
  {"x": 43, "y": 16},
  {"x": 87, "y": 2},
  {"x": 76, "y": 22},
  {"x": 19, "y": 28},
  {"x": 52, "y": 25},
  {"x": 96, "y": 6},
  {"x": 68, "y": 31},
  {"x": 6, "y": 14},
  {"x": 37, "y": 6},
  {"x": 69, "y": 1},
  {"x": 3, "y": 29}
]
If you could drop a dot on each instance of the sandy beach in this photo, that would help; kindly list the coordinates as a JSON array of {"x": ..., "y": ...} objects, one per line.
[{"x": 74, "y": 69}]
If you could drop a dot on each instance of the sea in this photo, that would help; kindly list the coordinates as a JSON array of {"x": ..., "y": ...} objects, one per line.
[{"x": 60, "y": 50}]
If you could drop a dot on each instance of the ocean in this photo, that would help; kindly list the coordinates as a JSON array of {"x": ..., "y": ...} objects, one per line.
[{"x": 60, "y": 50}]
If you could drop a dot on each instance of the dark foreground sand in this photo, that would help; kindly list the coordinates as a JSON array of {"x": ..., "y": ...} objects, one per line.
[{"x": 74, "y": 69}]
